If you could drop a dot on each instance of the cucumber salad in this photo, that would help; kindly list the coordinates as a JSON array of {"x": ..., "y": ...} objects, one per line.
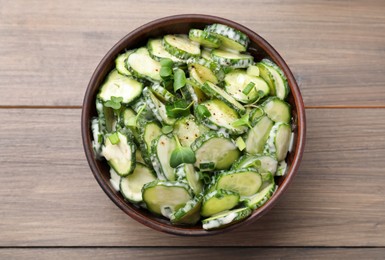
[{"x": 194, "y": 129}]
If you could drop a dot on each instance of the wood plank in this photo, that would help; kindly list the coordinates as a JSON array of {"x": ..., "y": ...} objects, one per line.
[
  {"x": 50, "y": 198},
  {"x": 49, "y": 50},
  {"x": 194, "y": 253}
]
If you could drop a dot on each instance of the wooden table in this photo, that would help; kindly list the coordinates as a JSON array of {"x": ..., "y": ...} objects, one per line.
[{"x": 52, "y": 207}]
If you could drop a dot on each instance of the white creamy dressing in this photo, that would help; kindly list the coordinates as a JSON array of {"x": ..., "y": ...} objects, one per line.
[
  {"x": 114, "y": 179},
  {"x": 96, "y": 133}
]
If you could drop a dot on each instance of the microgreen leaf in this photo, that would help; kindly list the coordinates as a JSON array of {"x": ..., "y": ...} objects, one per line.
[
  {"x": 114, "y": 138},
  {"x": 167, "y": 129},
  {"x": 248, "y": 88},
  {"x": 178, "y": 108},
  {"x": 114, "y": 102},
  {"x": 243, "y": 121},
  {"x": 179, "y": 79},
  {"x": 202, "y": 111},
  {"x": 166, "y": 62},
  {"x": 181, "y": 155},
  {"x": 165, "y": 72},
  {"x": 133, "y": 120}
]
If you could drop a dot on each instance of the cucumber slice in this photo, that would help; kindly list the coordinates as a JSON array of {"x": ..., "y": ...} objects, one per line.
[
  {"x": 203, "y": 72},
  {"x": 149, "y": 131},
  {"x": 107, "y": 120},
  {"x": 230, "y": 37},
  {"x": 157, "y": 107},
  {"x": 189, "y": 214},
  {"x": 97, "y": 137},
  {"x": 246, "y": 182},
  {"x": 141, "y": 65},
  {"x": 146, "y": 112},
  {"x": 121, "y": 61},
  {"x": 257, "y": 136},
  {"x": 165, "y": 197},
  {"x": 256, "y": 114},
  {"x": 161, "y": 93},
  {"x": 218, "y": 201},
  {"x": 282, "y": 168},
  {"x": 226, "y": 218},
  {"x": 206, "y": 54},
  {"x": 280, "y": 81},
  {"x": 192, "y": 92},
  {"x": 187, "y": 130},
  {"x": 212, "y": 90},
  {"x": 222, "y": 117},
  {"x": 204, "y": 38},
  {"x": 265, "y": 73},
  {"x": 131, "y": 185},
  {"x": 157, "y": 51},
  {"x": 277, "y": 109},
  {"x": 117, "y": 85},
  {"x": 187, "y": 172},
  {"x": 253, "y": 70},
  {"x": 139, "y": 157},
  {"x": 261, "y": 163},
  {"x": 214, "y": 147},
  {"x": 231, "y": 59},
  {"x": 161, "y": 150},
  {"x": 120, "y": 156},
  {"x": 125, "y": 115},
  {"x": 181, "y": 47},
  {"x": 236, "y": 82},
  {"x": 279, "y": 140},
  {"x": 257, "y": 200}
]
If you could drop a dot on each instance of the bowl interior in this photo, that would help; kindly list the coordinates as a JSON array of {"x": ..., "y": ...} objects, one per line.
[{"x": 258, "y": 47}]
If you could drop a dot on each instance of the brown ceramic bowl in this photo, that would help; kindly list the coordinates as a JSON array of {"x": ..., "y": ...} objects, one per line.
[{"x": 258, "y": 47}]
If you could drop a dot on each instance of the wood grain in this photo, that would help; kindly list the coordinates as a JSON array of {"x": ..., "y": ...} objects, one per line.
[
  {"x": 49, "y": 51},
  {"x": 50, "y": 198},
  {"x": 193, "y": 253}
]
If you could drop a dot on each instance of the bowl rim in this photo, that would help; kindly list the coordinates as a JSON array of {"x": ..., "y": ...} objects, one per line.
[{"x": 274, "y": 56}]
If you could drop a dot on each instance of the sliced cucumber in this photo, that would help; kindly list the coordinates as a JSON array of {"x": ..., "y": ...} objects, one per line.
[
  {"x": 161, "y": 150},
  {"x": 282, "y": 168},
  {"x": 149, "y": 131},
  {"x": 257, "y": 200},
  {"x": 126, "y": 115},
  {"x": 222, "y": 117},
  {"x": 278, "y": 141},
  {"x": 203, "y": 72},
  {"x": 257, "y": 136},
  {"x": 265, "y": 73},
  {"x": 120, "y": 156},
  {"x": 157, "y": 107},
  {"x": 107, "y": 120},
  {"x": 204, "y": 38},
  {"x": 161, "y": 93},
  {"x": 253, "y": 70},
  {"x": 117, "y": 85},
  {"x": 187, "y": 129},
  {"x": 277, "y": 109},
  {"x": 139, "y": 157},
  {"x": 246, "y": 182},
  {"x": 230, "y": 37},
  {"x": 237, "y": 81},
  {"x": 218, "y": 201},
  {"x": 121, "y": 61},
  {"x": 187, "y": 172},
  {"x": 213, "y": 147},
  {"x": 189, "y": 214},
  {"x": 141, "y": 65},
  {"x": 181, "y": 47},
  {"x": 157, "y": 51},
  {"x": 280, "y": 81},
  {"x": 231, "y": 59},
  {"x": 255, "y": 114},
  {"x": 131, "y": 185},
  {"x": 212, "y": 90},
  {"x": 146, "y": 111},
  {"x": 226, "y": 218},
  {"x": 165, "y": 197},
  {"x": 261, "y": 163},
  {"x": 192, "y": 92},
  {"x": 97, "y": 137}
]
